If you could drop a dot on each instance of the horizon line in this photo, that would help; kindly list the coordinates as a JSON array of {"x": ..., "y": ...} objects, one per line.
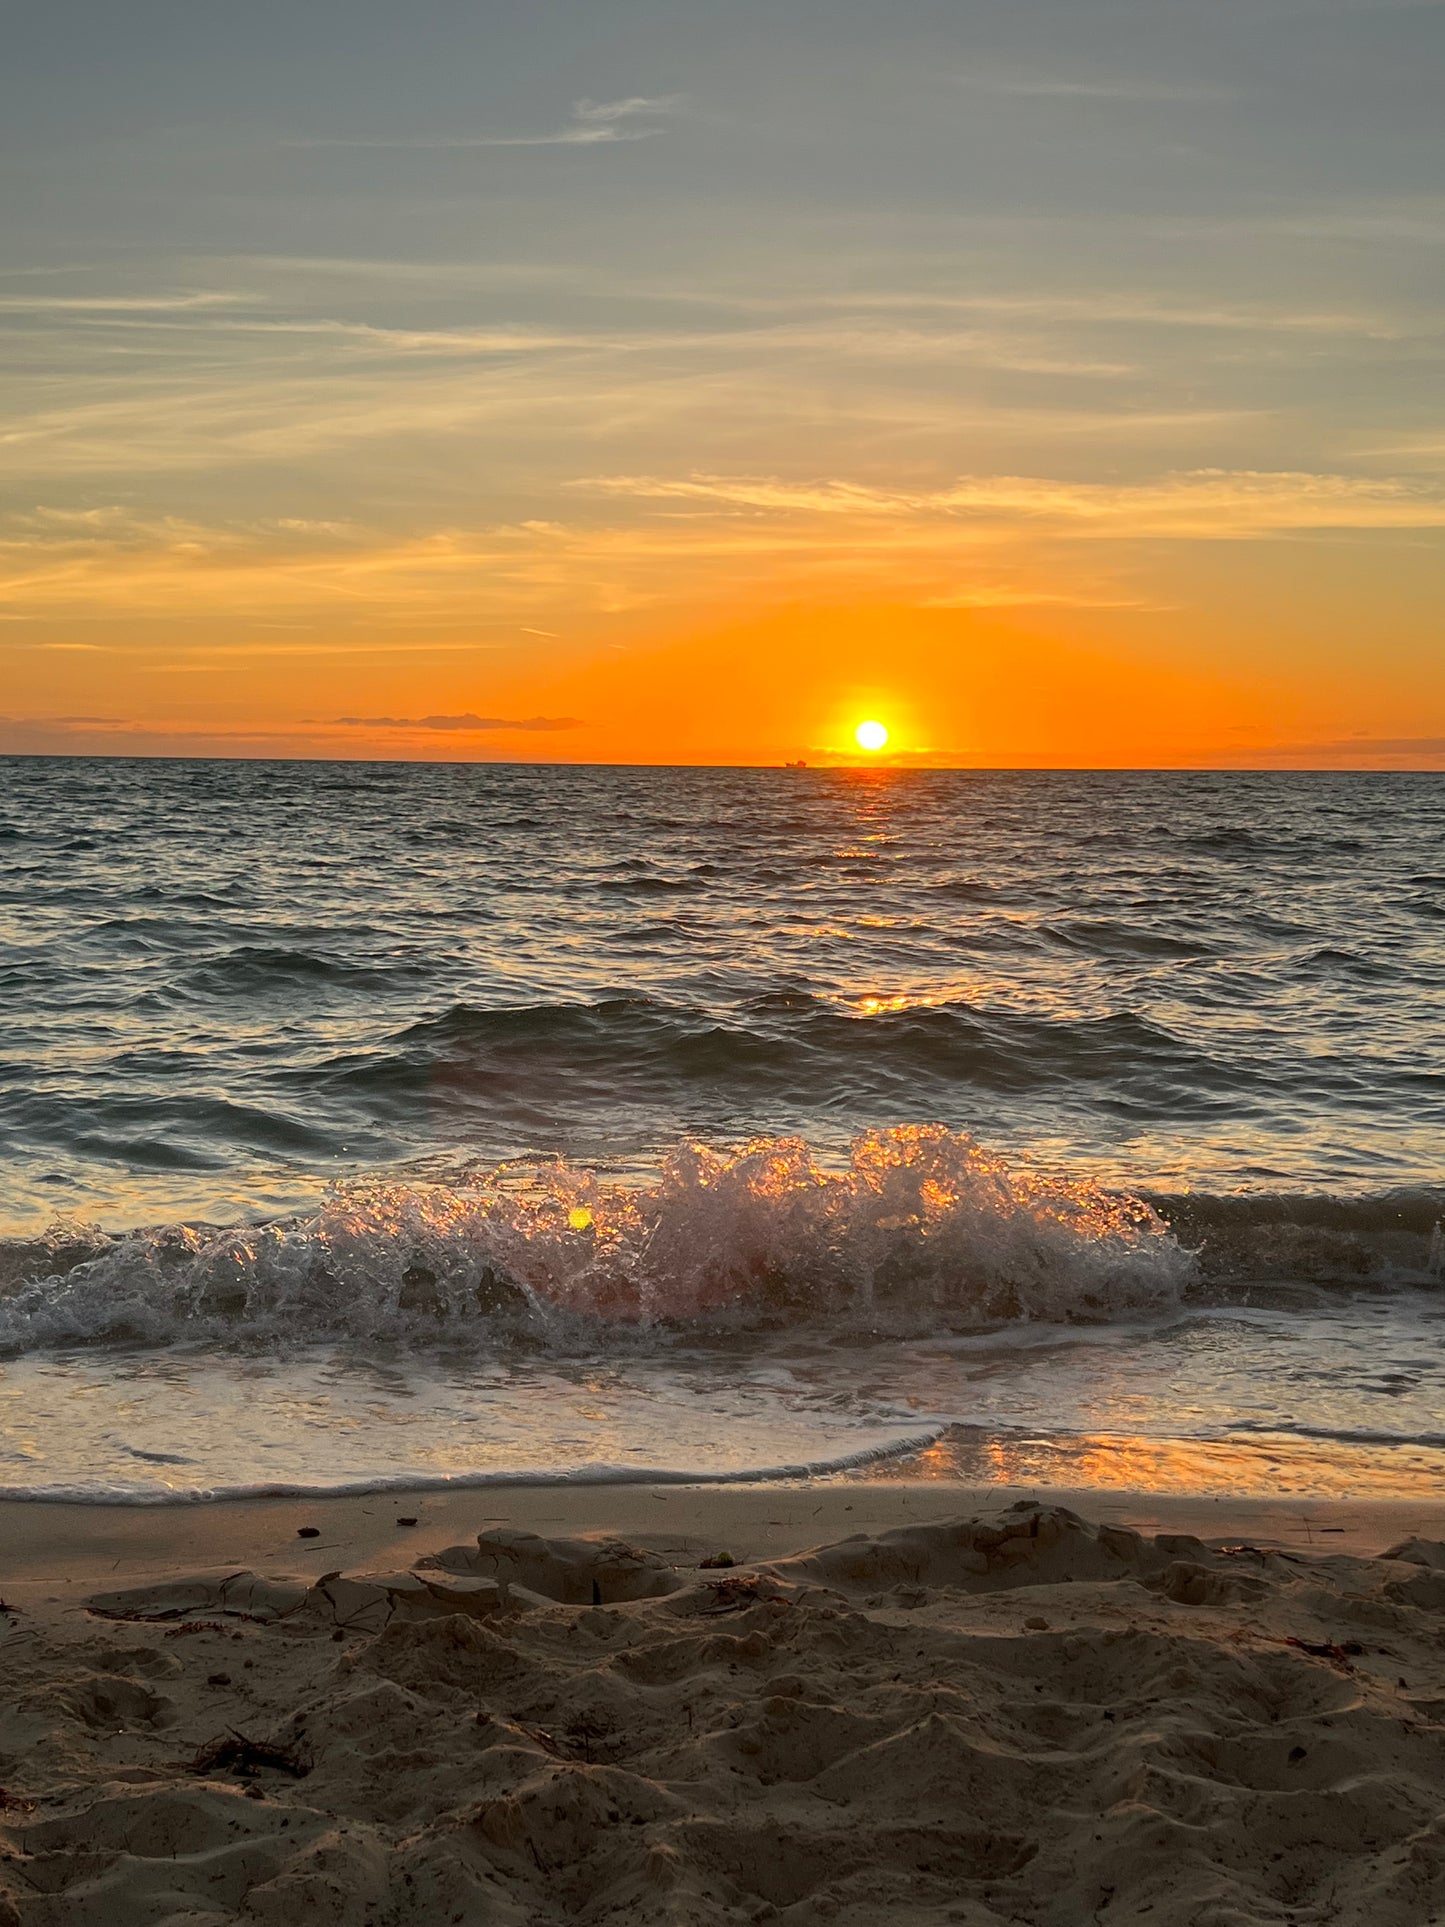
[{"x": 796, "y": 769}]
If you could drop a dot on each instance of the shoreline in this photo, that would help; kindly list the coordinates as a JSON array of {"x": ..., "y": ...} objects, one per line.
[{"x": 74, "y": 1546}]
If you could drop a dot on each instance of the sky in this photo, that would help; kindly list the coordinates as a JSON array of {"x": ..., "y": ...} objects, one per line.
[{"x": 1057, "y": 381}]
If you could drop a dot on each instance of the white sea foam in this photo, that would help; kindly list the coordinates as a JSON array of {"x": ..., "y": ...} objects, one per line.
[
  {"x": 116, "y": 1490},
  {"x": 921, "y": 1230}
]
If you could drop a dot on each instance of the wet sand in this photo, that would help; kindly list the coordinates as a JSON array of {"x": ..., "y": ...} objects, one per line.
[{"x": 82, "y": 1545}]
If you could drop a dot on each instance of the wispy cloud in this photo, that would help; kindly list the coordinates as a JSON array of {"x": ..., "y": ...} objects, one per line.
[
  {"x": 594, "y": 123},
  {"x": 467, "y": 721},
  {"x": 368, "y": 268},
  {"x": 1201, "y": 504},
  {"x": 1376, "y": 746},
  {"x": 979, "y": 541},
  {"x": 549, "y": 573},
  {"x": 1026, "y": 84},
  {"x": 1405, "y": 220},
  {"x": 190, "y": 413},
  {"x": 132, "y": 736},
  {"x": 1125, "y": 306},
  {"x": 434, "y": 341},
  {"x": 83, "y": 304},
  {"x": 1345, "y": 752}
]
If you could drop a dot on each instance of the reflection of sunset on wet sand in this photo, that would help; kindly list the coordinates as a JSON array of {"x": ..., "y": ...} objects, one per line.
[{"x": 1255, "y": 1468}]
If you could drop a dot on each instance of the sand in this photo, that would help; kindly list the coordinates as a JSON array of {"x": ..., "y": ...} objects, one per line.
[{"x": 906, "y": 1704}]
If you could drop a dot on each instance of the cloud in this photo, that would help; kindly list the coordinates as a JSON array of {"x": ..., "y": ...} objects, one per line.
[
  {"x": 1132, "y": 309},
  {"x": 594, "y": 123},
  {"x": 1360, "y": 754},
  {"x": 467, "y": 721},
  {"x": 296, "y": 386},
  {"x": 129, "y": 736},
  {"x": 978, "y": 541},
  {"x": 1433, "y": 746},
  {"x": 428, "y": 275},
  {"x": 1116, "y": 87},
  {"x": 470, "y": 341},
  {"x": 115, "y": 303},
  {"x": 1407, "y": 219},
  {"x": 1390, "y": 745},
  {"x": 1199, "y": 504},
  {"x": 545, "y": 572}
]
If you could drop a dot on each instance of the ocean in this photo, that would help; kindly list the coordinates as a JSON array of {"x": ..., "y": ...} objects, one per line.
[{"x": 369, "y": 1125}]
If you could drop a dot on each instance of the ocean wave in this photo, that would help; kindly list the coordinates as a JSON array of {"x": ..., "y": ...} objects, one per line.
[
  {"x": 799, "y": 1047},
  {"x": 1113, "y": 937},
  {"x": 262, "y": 969},
  {"x": 160, "y": 1133},
  {"x": 922, "y": 1230},
  {"x": 1263, "y": 1236}
]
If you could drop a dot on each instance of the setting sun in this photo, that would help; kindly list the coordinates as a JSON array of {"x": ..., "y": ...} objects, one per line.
[{"x": 870, "y": 736}]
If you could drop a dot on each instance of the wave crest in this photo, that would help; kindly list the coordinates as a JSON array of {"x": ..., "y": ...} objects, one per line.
[{"x": 924, "y": 1229}]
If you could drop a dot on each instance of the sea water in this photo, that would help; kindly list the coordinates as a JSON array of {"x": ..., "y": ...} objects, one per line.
[{"x": 368, "y": 1125}]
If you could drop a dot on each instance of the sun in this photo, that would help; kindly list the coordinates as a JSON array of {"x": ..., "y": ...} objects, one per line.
[{"x": 871, "y": 736}]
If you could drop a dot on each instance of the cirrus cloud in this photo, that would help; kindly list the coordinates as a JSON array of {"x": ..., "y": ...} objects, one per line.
[
  {"x": 594, "y": 123},
  {"x": 468, "y": 720}
]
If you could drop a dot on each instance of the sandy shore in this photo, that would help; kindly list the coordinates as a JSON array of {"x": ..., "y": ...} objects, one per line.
[
  {"x": 70, "y": 1546},
  {"x": 901, "y": 1703}
]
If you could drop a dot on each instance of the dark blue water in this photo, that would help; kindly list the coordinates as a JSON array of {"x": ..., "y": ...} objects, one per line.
[{"x": 1093, "y": 1117}]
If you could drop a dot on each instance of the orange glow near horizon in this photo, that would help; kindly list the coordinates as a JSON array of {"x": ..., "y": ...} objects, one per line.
[
  {"x": 965, "y": 688},
  {"x": 785, "y": 685}
]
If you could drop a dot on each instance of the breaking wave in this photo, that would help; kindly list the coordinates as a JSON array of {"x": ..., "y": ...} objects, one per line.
[
  {"x": 922, "y": 1229},
  {"x": 1391, "y": 1237}
]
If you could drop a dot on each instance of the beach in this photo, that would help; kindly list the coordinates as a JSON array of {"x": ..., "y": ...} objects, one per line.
[
  {"x": 899, "y": 1702},
  {"x": 722, "y": 965},
  {"x": 615, "y": 1389}
]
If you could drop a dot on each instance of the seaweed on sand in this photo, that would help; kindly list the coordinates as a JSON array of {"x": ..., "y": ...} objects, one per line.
[{"x": 238, "y": 1753}]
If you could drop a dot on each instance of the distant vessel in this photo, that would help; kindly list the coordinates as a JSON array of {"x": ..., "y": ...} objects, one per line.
[{"x": 800, "y": 764}]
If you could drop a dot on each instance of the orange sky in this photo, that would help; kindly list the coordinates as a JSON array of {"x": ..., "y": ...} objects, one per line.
[
  {"x": 954, "y": 686},
  {"x": 1059, "y": 383}
]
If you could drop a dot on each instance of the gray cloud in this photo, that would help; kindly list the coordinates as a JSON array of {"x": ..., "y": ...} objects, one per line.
[
  {"x": 465, "y": 721},
  {"x": 1112, "y": 87},
  {"x": 594, "y": 123},
  {"x": 1375, "y": 746},
  {"x": 1362, "y": 753},
  {"x": 116, "y": 303}
]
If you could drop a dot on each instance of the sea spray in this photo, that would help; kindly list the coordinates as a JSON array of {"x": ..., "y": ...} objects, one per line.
[{"x": 922, "y": 1229}]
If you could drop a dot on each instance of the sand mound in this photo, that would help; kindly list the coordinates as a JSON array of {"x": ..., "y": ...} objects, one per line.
[
  {"x": 590, "y": 1571},
  {"x": 1013, "y": 1718}
]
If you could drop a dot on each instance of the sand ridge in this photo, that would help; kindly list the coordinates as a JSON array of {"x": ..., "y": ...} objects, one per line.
[{"x": 1012, "y": 1717}]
